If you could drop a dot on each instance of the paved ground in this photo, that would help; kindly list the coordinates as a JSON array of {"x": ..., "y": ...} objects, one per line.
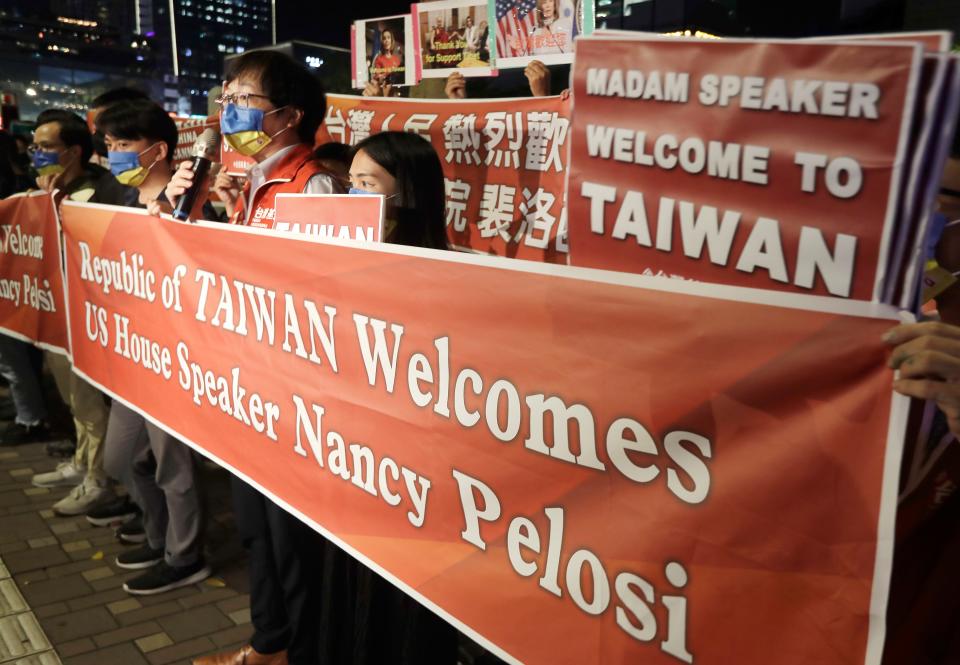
[{"x": 61, "y": 599}]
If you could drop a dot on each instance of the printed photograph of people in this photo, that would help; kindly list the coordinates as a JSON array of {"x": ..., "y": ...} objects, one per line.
[
  {"x": 454, "y": 36},
  {"x": 385, "y": 51},
  {"x": 382, "y": 52},
  {"x": 538, "y": 30}
]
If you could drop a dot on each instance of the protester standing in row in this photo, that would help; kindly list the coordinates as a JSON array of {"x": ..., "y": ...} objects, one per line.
[
  {"x": 157, "y": 468},
  {"x": 270, "y": 111},
  {"x": 367, "y": 620},
  {"x": 62, "y": 149}
]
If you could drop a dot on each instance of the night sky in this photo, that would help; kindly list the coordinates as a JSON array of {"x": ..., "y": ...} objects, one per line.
[{"x": 328, "y": 21}]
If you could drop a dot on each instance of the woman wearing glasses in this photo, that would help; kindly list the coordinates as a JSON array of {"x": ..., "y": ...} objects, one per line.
[{"x": 270, "y": 110}]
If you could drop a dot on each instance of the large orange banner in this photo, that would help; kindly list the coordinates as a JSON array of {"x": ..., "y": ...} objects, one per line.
[
  {"x": 617, "y": 471},
  {"x": 504, "y": 163},
  {"x": 768, "y": 164},
  {"x": 31, "y": 284}
]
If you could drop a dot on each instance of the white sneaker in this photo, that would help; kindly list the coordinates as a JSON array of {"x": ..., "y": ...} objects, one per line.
[
  {"x": 66, "y": 474},
  {"x": 83, "y": 497}
]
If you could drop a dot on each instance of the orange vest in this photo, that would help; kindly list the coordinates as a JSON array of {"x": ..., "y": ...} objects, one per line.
[{"x": 290, "y": 176}]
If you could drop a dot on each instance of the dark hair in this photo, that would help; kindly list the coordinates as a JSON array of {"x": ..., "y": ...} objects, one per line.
[
  {"x": 111, "y": 97},
  {"x": 412, "y": 161},
  {"x": 286, "y": 83},
  {"x": 140, "y": 119},
  {"x": 393, "y": 36},
  {"x": 73, "y": 130},
  {"x": 335, "y": 152}
]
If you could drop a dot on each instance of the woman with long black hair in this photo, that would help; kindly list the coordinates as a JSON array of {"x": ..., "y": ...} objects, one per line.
[{"x": 365, "y": 619}]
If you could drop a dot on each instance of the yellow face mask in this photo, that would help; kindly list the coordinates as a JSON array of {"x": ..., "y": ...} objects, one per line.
[
  {"x": 936, "y": 280},
  {"x": 126, "y": 167},
  {"x": 47, "y": 162},
  {"x": 242, "y": 129}
]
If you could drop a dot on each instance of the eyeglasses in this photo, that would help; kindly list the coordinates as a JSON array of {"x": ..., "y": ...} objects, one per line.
[
  {"x": 240, "y": 99},
  {"x": 33, "y": 148}
]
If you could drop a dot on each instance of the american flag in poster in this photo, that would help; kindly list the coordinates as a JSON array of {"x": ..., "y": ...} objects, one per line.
[{"x": 516, "y": 21}]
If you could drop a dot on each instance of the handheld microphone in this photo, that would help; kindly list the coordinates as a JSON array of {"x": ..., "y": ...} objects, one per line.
[{"x": 205, "y": 151}]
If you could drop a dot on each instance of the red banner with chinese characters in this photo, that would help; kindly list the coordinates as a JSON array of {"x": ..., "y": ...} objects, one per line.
[
  {"x": 31, "y": 285},
  {"x": 625, "y": 473},
  {"x": 769, "y": 164},
  {"x": 189, "y": 130},
  {"x": 504, "y": 163}
]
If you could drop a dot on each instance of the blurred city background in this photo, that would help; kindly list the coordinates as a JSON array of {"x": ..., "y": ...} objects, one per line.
[{"x": 63, "y": 53}]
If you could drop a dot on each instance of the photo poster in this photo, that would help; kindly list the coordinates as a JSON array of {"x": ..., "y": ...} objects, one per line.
[
  {"x": 383, "y": 50},
  {"x": 454, "y": 36},
  {"x": 544, "y": 30}
]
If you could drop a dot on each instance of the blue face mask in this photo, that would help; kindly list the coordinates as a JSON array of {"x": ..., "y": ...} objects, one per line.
[
  {"x": 121, "y": 161},
  {"x": 42, "y": 158},
  {"x": 242, "y": 129},
  {"x": 357, "y": 190},
  {"x": 126, "y": 168},
  {"x": 47, "y": 162}
]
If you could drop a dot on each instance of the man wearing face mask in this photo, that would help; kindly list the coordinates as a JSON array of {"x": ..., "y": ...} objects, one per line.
[
  {"x": 270, "y": 111},
  {"x": 61, "y": 150},
  {"x": 271, "y": 108},
  {"x": 156, "y": 468},
  {"x": 59, "y": 154},
  {"x": 109, "y": 190}
]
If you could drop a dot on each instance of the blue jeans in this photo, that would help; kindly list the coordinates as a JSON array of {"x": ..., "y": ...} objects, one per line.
[{"x": 18, "y": 368}]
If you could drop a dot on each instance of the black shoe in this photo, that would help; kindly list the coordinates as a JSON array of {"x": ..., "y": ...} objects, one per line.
[
  {"x": 164, "y": 577},
  {"x": 119, "y": 511},
  {"x": 61, "y": 448},
  {"x": 132, "y": 531},
  {"x": 16, "y": 434},
  {"x": 139, "y": 558}
]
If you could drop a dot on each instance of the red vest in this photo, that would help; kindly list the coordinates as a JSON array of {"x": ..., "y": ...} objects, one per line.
[{"x": 290, "y": 176}]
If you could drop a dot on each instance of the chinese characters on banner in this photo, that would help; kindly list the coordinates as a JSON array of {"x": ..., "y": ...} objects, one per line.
[
  {"x": 31, "y": 284},
  {"x": 646, "y": 478},
  {"x": 768, "y": 164},
  {"x": 189, "y": 130},
  {"x": 504, "y": 164}
]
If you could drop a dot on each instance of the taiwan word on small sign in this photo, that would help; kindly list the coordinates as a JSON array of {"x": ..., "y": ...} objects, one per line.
[{"x": 339, "y": 216}]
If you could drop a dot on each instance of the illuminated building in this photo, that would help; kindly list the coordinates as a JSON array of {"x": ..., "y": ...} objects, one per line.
[{"x": 196, "y": 35}]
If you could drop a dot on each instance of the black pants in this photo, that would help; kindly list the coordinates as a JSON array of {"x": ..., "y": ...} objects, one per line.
[{"x": 285, "y": 562}]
